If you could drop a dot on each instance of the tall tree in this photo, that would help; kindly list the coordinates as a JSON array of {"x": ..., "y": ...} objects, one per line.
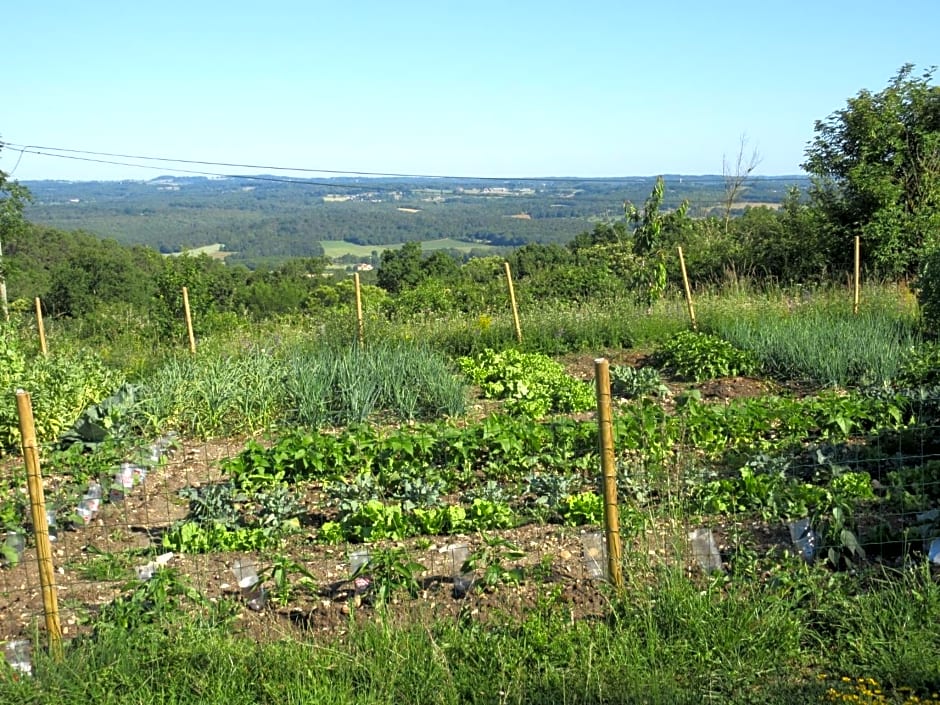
[
  {"x": 876, "y": 169},
  {"x": 13, "y": 199},
  {"x": 401, "y": 268},
  {"x": 650, "y": 226}
]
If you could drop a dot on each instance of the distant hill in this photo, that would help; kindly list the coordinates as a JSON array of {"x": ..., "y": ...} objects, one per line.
[{"x": 266, "y": 218}]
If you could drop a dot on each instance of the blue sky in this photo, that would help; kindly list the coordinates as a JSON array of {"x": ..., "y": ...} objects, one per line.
[{"x": 505, "y": 89}]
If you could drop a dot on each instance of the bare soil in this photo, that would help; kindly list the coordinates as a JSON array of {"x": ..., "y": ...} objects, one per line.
[{"x": 132, "y": 531}]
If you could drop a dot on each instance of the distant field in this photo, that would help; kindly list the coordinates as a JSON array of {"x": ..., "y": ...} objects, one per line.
[
  {"x": 215, "y": 251},
  {"x": 339, "y": 248},
  {"x": 741, "y": 205}
]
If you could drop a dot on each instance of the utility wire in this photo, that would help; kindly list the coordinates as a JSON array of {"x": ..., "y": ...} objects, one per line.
[
  {"x": 311, "y": 170},
  {"x": 267, "y": 167},
  {"x": 275, "y": 179}
]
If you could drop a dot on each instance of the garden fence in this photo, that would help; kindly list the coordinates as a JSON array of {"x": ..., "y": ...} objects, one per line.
[{"x": 860, "y": 500}]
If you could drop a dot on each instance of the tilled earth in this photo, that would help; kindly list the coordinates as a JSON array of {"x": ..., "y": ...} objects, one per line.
[{"x": 95, "y": 563}]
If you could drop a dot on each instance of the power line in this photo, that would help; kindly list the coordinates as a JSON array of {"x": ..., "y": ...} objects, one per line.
[
  {"x": 67, "y": 152},
  {"x": 268, "y": 167},
  {"x": 300, "y": 182}
]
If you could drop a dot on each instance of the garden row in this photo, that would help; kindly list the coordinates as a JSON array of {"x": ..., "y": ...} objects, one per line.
[
  {"x": 783, "y": 458},
  {"x": 834, "y": 459}
]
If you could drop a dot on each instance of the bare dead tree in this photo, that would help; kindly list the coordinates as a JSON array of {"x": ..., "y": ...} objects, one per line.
[{"x": 736, "y": 176}]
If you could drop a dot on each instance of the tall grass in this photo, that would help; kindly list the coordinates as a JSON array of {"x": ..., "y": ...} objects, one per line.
[
  {"x": 592, "y": 327},
  {"x": 238, "y": 386},
  {"x": 680, "y": 641},
  {"x": 818, "y": 337},
  {"x": 214, "y": 393},
  {"x": 339, "y": 385}
]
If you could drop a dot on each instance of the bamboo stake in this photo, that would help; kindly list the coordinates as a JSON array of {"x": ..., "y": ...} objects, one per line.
[
  {"x": 512, "y": 302},
  {"x": 858, "y": 270},
  {"x": 42, "y": 329},
  {"x": 606, "y": 440},
  {"x": 189, "y": 321},
  {"x": 37, "y": 503},
  {"x": 360, "y": 326},
  {"x": 688, "y": 290}
]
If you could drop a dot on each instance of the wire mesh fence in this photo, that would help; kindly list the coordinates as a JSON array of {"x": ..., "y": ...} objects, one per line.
[
  {"x": 443, "y": 519},
  {"x": 112, "y": 536},
  {"x": 367, "y": 502}
]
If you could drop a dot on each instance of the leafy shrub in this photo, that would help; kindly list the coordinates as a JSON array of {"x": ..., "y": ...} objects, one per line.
[
  {"x": 532, "y": 384},
  {"x": 484, "y": 514},
  {"x": 61, "y": 387},
  {"x": 767, "y": 491},
  {"x": 347, "y": 495},
  {"x": 700, "y": 356},
  {"x": 230, "y": 517},
  {"x": 287, "y": 577},
  {"x": 498, "y": 445},
  {"x": 920, "y": 365},
  {"x": 491, "y": 561},
  {"x": 491, "y": 491},
  {"x": 164, "y": 599},
  {"x": 192, "y": 537},
  {"x": 928, "y": 291},
  {"x": 374, "y": 520},
  {"x": 544, "y": 493},
  {"x": 434, "y": 521},
  {"x": 389, "y": 571}
]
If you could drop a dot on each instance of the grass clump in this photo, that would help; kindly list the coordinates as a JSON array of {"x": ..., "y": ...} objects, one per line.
[
  {"x": 591, "y": 326},
  {"x": 246, "y": 388},
  {"x": 795, "y": 638},
  {"x": 339, "y": 386},
  {"x": 214, "y": 393},
  {"x": 821, "y": 339}
]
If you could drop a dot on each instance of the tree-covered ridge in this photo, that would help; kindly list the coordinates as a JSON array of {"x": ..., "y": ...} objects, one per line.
[
  {"x": 876, "y": 174},
  {"x": 258, "y": 219}
]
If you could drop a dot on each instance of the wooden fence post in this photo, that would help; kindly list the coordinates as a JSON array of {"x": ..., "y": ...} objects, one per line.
[
  {"x": 688, "y": 290},
  {"x": 42, "y": 329},
  {"x": 609, "y": 469},
  {"x": 512, "y": 303},
  {"x": 189, "y": 321},
  {"x": 360, "y": 326},
  {"x": 858, "y": 272},
  {"x": 37, "y": 505}
]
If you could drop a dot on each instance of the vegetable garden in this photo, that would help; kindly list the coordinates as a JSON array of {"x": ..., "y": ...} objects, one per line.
[{"x": 305, "y": 483}]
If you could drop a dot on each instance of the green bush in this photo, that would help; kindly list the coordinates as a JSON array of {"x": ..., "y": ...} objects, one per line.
[
  {"x": 60, "y": 387},
  {"x": 634, "y": 382},
  {"x": 920, "y": 365},
  {"x": 699, "y": 356},
  {"x": 532, "y": 384},
  {"x": 928, "y": 291}
]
